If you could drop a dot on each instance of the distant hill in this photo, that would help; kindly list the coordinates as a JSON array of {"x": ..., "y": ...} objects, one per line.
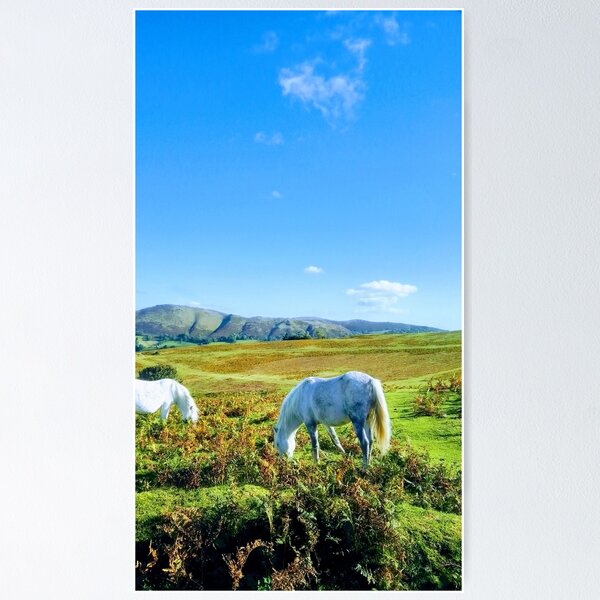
[{"x": 186, "y": 323}]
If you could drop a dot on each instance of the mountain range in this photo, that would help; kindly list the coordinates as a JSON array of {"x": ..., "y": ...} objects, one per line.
[{"x": 171, "y": 321}]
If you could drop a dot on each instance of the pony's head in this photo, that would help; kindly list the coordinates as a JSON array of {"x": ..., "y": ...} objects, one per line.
[
  {"x": 284, "y": 432},
  {"x": 190, "y": 412},
  {"x": 284, "y": 443}
]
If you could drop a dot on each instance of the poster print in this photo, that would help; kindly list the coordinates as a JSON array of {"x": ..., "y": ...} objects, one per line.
[{"x": 299, "y": 300}]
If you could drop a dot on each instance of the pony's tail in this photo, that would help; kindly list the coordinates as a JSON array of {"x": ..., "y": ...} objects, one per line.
[{"x": 379, "y": 418}]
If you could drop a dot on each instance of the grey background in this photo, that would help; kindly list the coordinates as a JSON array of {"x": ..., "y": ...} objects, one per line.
[{"x": 532, "y": 175}]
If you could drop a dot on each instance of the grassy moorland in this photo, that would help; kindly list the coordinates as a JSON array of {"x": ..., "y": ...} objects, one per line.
[{"x": 217, "y": 509}]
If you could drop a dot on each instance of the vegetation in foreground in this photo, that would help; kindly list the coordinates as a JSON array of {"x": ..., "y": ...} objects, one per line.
[{"x": 217, "y": 509}]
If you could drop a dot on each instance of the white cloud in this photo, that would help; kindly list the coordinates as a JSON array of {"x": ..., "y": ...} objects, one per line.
[
  {"x": 384, "y": 286},
  {"x": 358, "y": 47},
  {"x": 276, "y": 194},
  {"x": 391, "y": 28},
  {"x": 381, "y": 295},
  {"x": 313, "y": 270},
  {"x": 269, "y": 43},
  {"x": 275, "y": 139},
  {"x": 333, "y": 92},
  {"x": 335, "y": 96}
]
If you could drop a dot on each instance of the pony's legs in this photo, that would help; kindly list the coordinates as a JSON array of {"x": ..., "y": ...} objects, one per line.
[
  {"x": 369, "y": 433},
  {"x": 334, "y": 438},
  {"x": 363, "y": 439},
  {"x": 164, "y": 411},
  {"x": 314, "y": 439}
]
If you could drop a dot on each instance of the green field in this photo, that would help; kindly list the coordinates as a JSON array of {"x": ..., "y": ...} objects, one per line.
[{"x": 217, "y": 509}]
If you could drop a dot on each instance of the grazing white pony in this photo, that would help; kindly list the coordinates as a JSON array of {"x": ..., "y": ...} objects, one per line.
[
  {"x": 152, "y": 395},
  {"x": 354, "y": 396}
]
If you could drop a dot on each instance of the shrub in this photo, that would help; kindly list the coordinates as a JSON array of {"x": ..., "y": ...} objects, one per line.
[
  {"x": 296, "y": 335},
  {"x": 158, "y": 372},
  {"x": 430, "y": 398},
  {"x": 428, "y": 404}
]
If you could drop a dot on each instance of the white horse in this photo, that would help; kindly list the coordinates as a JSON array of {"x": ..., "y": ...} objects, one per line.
[
  {"x": 152, "y": 395},
  {"x": 354, "y": 396}
]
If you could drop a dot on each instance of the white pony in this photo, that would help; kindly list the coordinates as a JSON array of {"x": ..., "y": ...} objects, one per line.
[
  {"x": 152, "y": 395},
  {"x": 354, "y": 396}
]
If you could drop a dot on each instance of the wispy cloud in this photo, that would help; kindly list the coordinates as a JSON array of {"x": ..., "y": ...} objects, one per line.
[
  {"x": 275, "y": 139},
  {"x": 312, "y": 270},
  {"x": 276, "y": 194},
  {"x": 358, "y": 47},
  {"x": 269, "y": 43},
  {"x": 394, "y": 34},
  {"x": 381, "y": 295},
  {"x": 321, "y": 84},
  {"x": 334, "y": 97}
]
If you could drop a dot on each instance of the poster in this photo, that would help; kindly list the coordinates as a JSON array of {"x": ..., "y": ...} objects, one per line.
[{"x": 298, "y": 300}]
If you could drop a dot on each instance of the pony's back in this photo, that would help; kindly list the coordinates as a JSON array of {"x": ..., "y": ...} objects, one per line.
[{"x": 151, "y": 395}]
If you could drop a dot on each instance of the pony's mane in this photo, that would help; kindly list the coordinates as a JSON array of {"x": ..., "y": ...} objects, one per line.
[{"x": 288, "y": 407}]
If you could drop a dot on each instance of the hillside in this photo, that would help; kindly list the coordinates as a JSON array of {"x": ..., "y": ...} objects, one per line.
[{"x": 170, "y": 321}]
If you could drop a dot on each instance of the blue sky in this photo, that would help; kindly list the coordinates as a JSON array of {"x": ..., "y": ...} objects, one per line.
[{"x": 300, "y": 163}]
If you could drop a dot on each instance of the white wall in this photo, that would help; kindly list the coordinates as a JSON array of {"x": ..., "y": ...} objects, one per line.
[{"x": 532, "y": 93}]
